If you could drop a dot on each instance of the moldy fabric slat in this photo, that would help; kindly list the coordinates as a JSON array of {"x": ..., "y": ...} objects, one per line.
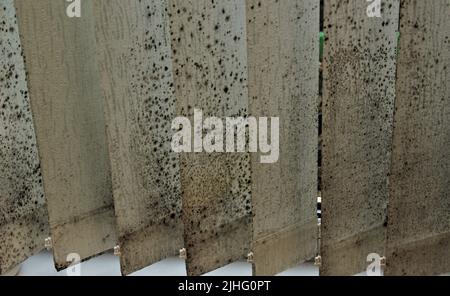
[
  {"x": 210, "y": 72},
  {"x": 283, "y": 62},
  {"x": 67, "y": 106},
  {"x": 133, "y": 49},
  {"x": 358, "y": 104},
  {"x": 419, "y": 206},
  {"x": 23, "y": 214}
]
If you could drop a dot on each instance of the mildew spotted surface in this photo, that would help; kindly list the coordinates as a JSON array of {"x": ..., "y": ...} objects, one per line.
[
  {"x": 358, "y": 104},
  {"x": 67, "y": 106},
  {"x": 283, "y": 55},
  {"x": 419, "y": 205},
  {"x": 210, "y": 72},
  {"x": 23, "y": 216},
  {"x": 133, "y": 47}
]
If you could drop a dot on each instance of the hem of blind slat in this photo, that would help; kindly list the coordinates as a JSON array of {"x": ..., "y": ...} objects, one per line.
[
  {"x": 349, "y": 256},
  {"x": 424, "y": 257},
  {"x": 88, "y": 237},
  {"x": 149, "y": 245},
  {"x": 284, "y": 249},
  {"x": 206, "y": 252}
]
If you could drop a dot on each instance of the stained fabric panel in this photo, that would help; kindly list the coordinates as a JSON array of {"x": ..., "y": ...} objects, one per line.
[
  {"x": 283, "y": 55},
  {"x": 210, "y": 71},
  {"x": 68, "y": 114},
  {"x": 133, "y": 47},
  {"x": 419, "y": 206},
  {"x": 358, "y": 104},
  {"x": 23, "y": 214}
]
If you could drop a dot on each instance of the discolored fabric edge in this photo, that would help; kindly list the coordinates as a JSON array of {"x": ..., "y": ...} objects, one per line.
[
  {"x": 349, "y": 256},
  {"x": 285, "y": 249}
]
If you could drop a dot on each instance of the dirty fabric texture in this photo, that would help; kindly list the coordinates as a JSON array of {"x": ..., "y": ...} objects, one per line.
[
  {"x": 210, "y": 72},
  {"x": 67, "y": 107},
  {"x": 419, "y": 206},
  {"x": 133, "y": 47},
  {"x": 23, "y": 214},
  {"x": 358, "y": 103},
  {"x": 283, "y": 54}
]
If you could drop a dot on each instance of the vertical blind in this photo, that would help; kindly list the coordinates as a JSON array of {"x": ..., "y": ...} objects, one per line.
[{"x": 86, "y": 111}]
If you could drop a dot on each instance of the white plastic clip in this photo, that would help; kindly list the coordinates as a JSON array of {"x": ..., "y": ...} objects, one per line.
[
  {"x": 383, "y": 261},
  {"x": 117, "y": 251},
  {"x": 48, "y": 244},
  {"x": 250, "y": 257},
  {"x": 318, "y": 261},
  {"x": 183, "y": 254}
]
